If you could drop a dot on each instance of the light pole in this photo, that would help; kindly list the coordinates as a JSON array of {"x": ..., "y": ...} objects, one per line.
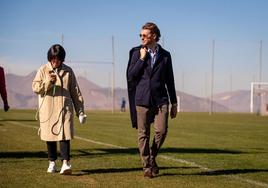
[{"x": 212, "y": 77}]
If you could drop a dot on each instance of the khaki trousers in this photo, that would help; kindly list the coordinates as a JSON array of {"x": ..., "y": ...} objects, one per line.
[{"x": 144, "y": 115}]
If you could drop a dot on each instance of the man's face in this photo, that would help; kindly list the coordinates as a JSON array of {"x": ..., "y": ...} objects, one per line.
[{"x": 147, "y": 38}]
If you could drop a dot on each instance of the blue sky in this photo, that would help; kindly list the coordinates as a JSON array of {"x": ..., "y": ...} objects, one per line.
[{"x": 29, "y": 28}]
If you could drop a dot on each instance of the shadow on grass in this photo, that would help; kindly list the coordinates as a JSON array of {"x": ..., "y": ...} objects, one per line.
[
  {"x": 23, "y": 154},
  {"x": 114, "y": 151},
  {"x": 118, "y": 151},
  {"x": 120, "y": 170},
  {"x": 164, "y": 150},
  {"x": 229, "y": 172},
  {"x": 200, "y": 150}
]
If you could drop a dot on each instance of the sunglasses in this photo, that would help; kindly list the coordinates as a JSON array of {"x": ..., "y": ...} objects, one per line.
[{"x": 144, "y": 36}]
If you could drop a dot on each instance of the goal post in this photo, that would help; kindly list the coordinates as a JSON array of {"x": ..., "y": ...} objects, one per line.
[{"x": 259, "y": 98}]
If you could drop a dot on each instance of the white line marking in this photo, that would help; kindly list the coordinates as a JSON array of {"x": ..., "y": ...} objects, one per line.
[
  {"x": 192, "y": 164},
  {"x": 22, "y": 124},
  {"x": 100, "y": 143}
]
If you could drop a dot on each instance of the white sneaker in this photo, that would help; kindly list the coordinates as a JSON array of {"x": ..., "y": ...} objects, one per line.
[
  {"x": 66, "y": 169},
  {"x": 51, "y": 167}
]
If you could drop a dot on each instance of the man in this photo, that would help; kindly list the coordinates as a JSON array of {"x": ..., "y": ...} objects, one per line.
[
  {"x": 150, "y": 88},
  {"x": 3, "y": 91},
  {"x": 123, "y": 105}
]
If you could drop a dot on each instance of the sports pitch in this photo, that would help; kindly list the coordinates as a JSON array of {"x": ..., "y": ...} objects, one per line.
[{"x": 201, "y": 150}]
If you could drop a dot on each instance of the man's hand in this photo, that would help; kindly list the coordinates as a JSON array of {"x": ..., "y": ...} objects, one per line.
[
  {"x": 6, "y": 107},
  {"x": 143, "y": 52},
  {"x": 173, "y": 111}
]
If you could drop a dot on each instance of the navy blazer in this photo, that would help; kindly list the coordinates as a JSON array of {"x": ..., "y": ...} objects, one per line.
[{"x": 149, "y": 87}]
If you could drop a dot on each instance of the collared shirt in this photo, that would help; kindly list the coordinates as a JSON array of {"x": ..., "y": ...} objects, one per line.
[{"x": 153, "y": 55}]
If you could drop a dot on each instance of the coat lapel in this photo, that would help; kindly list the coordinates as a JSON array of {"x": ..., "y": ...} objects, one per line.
[{"x": 158, "y": 59}]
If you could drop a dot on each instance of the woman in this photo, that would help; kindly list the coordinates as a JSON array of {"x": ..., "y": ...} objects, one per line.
[{"x": 58, "y": 92}]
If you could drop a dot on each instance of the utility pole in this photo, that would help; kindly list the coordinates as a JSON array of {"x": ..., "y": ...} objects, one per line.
[{"x": 212, "y": 77}]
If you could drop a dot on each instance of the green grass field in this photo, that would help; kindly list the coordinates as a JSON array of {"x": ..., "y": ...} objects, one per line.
[{"x": 221, "y": 150}]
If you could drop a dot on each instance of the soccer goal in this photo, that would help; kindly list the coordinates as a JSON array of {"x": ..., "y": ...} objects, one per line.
[{"x": 259, "y": 98}]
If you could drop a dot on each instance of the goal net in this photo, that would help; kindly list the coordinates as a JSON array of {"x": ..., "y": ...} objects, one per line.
[{"x": 259, "y": 98}]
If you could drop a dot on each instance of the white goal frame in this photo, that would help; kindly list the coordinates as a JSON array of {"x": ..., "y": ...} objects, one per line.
[{"x": 262, "y": 93}]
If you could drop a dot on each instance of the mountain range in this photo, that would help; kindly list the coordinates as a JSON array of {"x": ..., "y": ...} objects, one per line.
[{"x": 21, "y": 96}]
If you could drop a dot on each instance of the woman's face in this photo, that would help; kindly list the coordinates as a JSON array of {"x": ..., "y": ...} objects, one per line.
[{"x": 55, "y": 63}]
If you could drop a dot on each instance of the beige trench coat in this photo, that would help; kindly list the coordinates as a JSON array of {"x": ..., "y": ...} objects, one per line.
[{"x": 57, "y": 103}]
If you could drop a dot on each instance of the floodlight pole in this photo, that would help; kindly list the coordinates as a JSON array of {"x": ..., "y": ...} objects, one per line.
[
  {"x": 260, "y": 78},
  {"x": 62, "y": 39},
  {"x": 113, "y": 78},
  {"x": 251, "y": 97},
  {"x": 206, "y": 93},
  {"x": 231, "y": 91},
  {"x": 212, "y": 77},
  {"x": 260, "y": 59},
  {"x": 163, "y": 42},
  {"x": 182, "y": 91}
]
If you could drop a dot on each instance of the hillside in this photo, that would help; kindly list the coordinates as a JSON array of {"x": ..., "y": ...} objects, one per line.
[{"x": 20, "y": 96}]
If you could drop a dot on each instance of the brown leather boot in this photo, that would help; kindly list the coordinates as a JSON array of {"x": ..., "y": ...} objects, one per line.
[
  {"x": 155, "y": 169},
  {"x": 148, "y": 173}
]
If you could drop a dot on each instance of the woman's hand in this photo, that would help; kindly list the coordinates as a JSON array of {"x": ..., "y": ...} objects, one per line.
[{"x": 53, "y": 77}]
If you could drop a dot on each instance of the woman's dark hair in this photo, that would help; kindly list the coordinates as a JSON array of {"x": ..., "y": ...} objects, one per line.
[
  {"x": 153, "y": 28},
  {"x": 56, "y": 51}
]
